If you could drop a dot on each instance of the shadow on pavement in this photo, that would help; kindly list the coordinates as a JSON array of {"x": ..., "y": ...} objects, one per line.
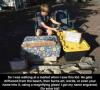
[{"x": 91, "y": 39}]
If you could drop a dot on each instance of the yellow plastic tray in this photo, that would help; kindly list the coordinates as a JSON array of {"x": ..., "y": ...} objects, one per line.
[{"x": 72, "y": 47}]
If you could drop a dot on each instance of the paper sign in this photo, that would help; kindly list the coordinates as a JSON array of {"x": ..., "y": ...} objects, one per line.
[{"x": 73, "y": 36}]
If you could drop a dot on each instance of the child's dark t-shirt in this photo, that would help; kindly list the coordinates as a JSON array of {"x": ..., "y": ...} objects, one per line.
[{"x": 44, "y": 19}]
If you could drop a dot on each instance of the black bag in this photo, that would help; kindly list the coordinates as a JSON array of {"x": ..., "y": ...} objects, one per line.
[{"x": 62, "y": 16}]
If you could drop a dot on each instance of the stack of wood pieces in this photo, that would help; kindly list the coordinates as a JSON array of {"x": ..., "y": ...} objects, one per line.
[{"x": 38, "y": 43}]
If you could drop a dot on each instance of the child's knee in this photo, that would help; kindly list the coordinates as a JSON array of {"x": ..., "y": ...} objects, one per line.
[{"x": 38, "y": 32}]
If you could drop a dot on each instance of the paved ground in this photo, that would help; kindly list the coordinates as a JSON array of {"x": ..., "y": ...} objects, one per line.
[
  {"x": 94, "y": 29},
  {"x": 15, "y": 26}
]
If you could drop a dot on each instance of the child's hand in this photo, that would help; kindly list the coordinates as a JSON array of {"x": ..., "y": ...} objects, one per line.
[
  {"x": 49, "y": 32},
  {"x": 55, "y": 29},
  {"x": 59, "y": 24}
]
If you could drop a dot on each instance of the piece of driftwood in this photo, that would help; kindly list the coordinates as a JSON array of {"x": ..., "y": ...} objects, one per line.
[
  {"x": 52, "y": 58},
  {"x": 49, "y": 70},
  {"x": 70, "y": 69},
  {"x": 84, "y": 66},
  {"x": 84, "y": 71},
  {"x": 34, "y": 71}
]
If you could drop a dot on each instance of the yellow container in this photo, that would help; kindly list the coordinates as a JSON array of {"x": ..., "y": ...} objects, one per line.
[
  {"x": 73, "y": 51},
  {"x": 74, "y": 47},
  {"x": 71, "y": 46}
]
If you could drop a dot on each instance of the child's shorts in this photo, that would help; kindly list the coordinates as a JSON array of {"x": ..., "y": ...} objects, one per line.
[{"x": 40, "y": 32}]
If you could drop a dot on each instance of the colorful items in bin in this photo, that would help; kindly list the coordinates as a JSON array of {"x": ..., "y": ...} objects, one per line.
[
  {"x": 40, "y": 38},
  {"x": 43, "y": 51}
]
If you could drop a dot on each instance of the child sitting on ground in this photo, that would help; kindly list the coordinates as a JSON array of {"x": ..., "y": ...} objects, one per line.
[{"x": 44, "y": 20}]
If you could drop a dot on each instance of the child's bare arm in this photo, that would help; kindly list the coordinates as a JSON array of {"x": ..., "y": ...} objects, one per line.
[
  {"x": 47, "y": 27},
  {"x": 55, "y": 22}
]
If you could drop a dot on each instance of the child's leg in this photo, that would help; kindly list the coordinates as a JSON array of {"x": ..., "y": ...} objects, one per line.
[{"x": 38, "y": 32}]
